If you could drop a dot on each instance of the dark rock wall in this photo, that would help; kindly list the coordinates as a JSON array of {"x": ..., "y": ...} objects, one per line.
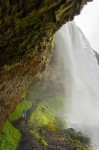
[
  {"x": 26, "y": 40},
  {"x": 97, "y": 56},
  {"x": 26, "y": 26}
]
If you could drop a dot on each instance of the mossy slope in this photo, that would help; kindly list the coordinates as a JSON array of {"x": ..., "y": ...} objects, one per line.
[
  {"x": 42, "y": 117},
  {"x": 9, "y": 137},
  {"x": 44, "y": 125}
]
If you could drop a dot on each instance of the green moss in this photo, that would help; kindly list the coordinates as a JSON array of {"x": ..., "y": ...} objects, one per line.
[
  {"x": 25, "y": 104},
  {"x": 40, "y": 138},
  {"x": 9, "y": 137},
  {"x": 41, "y": 117},
  {"x": 65, "y": 9},
  {"x": 59, "y": 12}
]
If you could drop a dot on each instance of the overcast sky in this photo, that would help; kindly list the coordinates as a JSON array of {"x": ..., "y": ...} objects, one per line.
[{"x": 88, "y": 21}]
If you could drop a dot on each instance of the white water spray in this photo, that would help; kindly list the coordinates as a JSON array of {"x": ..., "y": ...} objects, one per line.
[{"x": 81, "y": 80}]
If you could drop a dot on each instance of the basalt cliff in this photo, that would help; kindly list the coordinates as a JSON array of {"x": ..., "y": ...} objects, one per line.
[{"x": 27, "y": 31}]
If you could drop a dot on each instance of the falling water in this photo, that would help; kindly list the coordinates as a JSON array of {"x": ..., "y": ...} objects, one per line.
[{"x": 81, "y": 80}]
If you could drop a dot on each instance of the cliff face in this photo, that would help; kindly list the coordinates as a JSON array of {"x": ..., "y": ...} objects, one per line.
[{"x": 26, "y": 43}]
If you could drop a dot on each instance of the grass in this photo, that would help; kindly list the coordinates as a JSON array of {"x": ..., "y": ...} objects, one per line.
[
  {"x": 25, "y": 104},
  {"x": 9, "y": 137}
]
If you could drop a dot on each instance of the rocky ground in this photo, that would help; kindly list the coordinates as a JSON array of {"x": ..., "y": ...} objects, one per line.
[{"x": 55, "y": 140}]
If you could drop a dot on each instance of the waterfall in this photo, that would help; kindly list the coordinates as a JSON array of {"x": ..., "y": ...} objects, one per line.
[{"x": 81, "y": 80}]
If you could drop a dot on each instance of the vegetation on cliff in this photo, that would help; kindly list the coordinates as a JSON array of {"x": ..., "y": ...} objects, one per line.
[
  {"x": 9, "y": 137},
  {"x": 26, "y": 42}
]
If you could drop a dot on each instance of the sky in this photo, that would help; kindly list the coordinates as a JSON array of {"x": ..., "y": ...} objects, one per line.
[{"x": 88, "y": 22}]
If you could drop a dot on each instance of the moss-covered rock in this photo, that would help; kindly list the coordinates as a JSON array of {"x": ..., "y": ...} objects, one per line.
[
  {"x": 26, "y": 26},
  {"x": 9, "y": 137},
  {"x": 42, "y": 117},
  {"x": 78, "y": 136},
  {"x": 26, "y": 42}
]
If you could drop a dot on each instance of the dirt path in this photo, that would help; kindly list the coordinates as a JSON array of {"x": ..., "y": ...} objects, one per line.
[{"x": 27, "y": 139}]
